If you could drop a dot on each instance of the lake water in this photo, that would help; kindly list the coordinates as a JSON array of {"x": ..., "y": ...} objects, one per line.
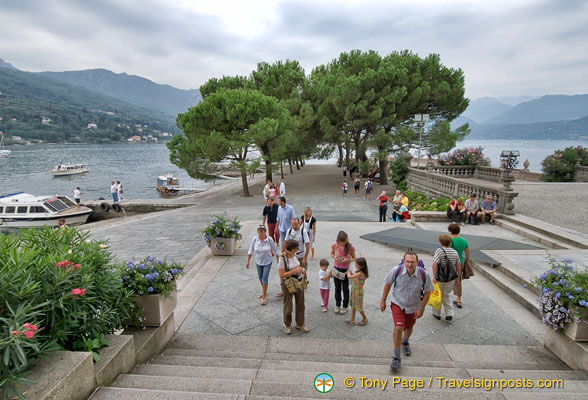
[{"x": 137, "y": 166}]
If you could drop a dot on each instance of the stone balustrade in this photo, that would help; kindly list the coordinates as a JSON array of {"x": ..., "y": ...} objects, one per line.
[
  {"x": 581, "y": 174},
  {"x": 488, "y": 173},
  {"x": 458, "y": 171},
  {"x": 436, "y": 184}
]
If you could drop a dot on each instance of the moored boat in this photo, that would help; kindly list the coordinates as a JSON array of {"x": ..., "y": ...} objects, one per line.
[
  {"x": 168, "y": 184},
  {"x": 69, "y": 169},
  {"x": 22, "y": 210},
  {"x": 3, "y": 152}
]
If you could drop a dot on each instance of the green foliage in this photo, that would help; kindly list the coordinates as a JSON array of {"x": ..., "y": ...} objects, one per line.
[
  {"x": 62, "y": 284},
  {"x": 28, "y": 97},
  {"x": 399, "y": 171},
  {"x": 91, "y": 345},
  {"x": 150, "y": 276},
  {"x": 561, "y": 165},
  {"x": 420, "y": 202},
  {"x": 465, "y": 156},
  {"x": 221, "y": 227},
  {"x": 226, "y": 126}
]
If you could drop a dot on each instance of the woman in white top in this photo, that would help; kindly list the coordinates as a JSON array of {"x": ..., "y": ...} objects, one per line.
[
  {"x": 308, "y": 223},
  {"x": 264, "y": 248}
]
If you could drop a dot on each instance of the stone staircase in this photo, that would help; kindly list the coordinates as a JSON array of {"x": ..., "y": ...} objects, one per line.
[{"x": 263, "y": 368}]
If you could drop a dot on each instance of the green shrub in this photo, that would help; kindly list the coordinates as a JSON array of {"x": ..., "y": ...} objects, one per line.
[
  {"x": 63, "y": 284},
  {"x": 419, "y": 202},
  {"x": 466, "y": 156},
  {"x": 398, "y": 173},
  {"x": 561, "y": 165}
]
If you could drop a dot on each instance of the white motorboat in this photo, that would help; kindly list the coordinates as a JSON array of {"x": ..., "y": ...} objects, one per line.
[
  {"x": 69, "y": 169},
  {"x": 22, "y": 210},
  {"x": 3, "y": 152},
  {"x": 168, "y": 184}
]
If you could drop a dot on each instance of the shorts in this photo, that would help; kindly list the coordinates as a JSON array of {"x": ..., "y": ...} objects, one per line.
[
  {"x": 402, "y": 319},
  {"x": 77, "y": 201},
  {"x": 344, "y": 191}
]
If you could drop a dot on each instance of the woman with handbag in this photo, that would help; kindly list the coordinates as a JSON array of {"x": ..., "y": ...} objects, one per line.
[
  {"x": 293, "y": 282},
  {"x": 263, "y": 248},
  {"x": 460, "y": 245},
  {"x": 446, "y": 269},
  {"x": 343, "y": 253}
]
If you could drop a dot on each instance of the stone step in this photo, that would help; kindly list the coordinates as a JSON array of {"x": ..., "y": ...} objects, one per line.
[
  {"x": 259, "y": 354},
  {"x": 191, "y": 270},
  {"x": 173, "y": 383},
  {"x": 547, "y": 229},
  {"x": 116, "y": 393},
  {"x": 207, "y": 361},
  {"x": 195, "y": 371},
  {"x": 543, "y": 238},
  {"x": 513, "y": 270},
  {"x": 197, "y": 341},
  {"x": 527, "y": 297}
]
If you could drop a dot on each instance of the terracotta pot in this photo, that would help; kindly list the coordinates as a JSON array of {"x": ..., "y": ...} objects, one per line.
[
  {"x": 578, "y": 331},
  {"x": 227, "y": 246},
  {"x": 156, "y": 308}
]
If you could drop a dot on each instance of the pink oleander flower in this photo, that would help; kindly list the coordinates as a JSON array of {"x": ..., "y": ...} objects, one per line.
[
  {"x": 77, "y": 266},
  {"x": 78, "y": 292},
  {"x": 15, "y": 333},
  {"x": 29, "y": 334}
]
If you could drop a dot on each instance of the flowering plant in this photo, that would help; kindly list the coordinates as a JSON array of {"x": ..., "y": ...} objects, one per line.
[
  {"x": 150, "y": 276},
  {"x": 564, "y": 293},
  {"x": 561, "y": 165},
  {"x": 466, "y": 156},
  {"x": 221, "y": 227}
]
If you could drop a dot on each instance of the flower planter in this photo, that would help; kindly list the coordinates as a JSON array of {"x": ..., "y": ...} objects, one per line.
[
  {"x": 578, "y": 331},
  {"x": 223, "y": 246},
  {"x": 156, "y": 308}
]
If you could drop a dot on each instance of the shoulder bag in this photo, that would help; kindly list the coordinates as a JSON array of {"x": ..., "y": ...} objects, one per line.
[
  {"x": 446, "y": 271},
  {"x": 295, "y": 282}
]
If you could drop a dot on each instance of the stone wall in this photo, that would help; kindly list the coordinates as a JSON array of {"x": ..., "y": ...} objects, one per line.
[{"x": 581, "y": 174}]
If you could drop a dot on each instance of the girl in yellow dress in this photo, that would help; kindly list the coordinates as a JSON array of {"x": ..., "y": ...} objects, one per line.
[{"x": 361, "y": 274}]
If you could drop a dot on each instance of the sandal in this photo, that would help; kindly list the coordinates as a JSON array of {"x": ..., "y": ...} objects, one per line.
[
  {"x": 259, "y": 296},
  {"x": 457, "y": 303},
  {"x": 263, "y": 302},
  {"x": 352, "y": 323},
  {"x": 280, "y": 294},
  {"x": 302, "y": 328},
  {"x": 362, "y": 322}
]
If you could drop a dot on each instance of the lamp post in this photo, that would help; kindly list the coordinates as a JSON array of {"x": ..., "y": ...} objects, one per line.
[
  {"x": 422, "y": 118},
  {"x": 509, "y": 160}
]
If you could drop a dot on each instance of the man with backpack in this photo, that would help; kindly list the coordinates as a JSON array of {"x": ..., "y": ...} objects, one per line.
[
  {"x": 411, "y": 287},
  {"x": 296, "y": 232}
]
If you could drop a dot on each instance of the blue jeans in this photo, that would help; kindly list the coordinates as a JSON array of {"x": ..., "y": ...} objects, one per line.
[
  {"x": 115, "y": 197},
  {"x": 282, "y": 237},
  {"x": 263, "y": 272}
]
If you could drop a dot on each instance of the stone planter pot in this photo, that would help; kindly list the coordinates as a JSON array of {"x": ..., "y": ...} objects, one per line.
[
  {"x": 156, "y": 308},
  {"x": 578, "y": 331},
  {"x": 223, "y": 246}
]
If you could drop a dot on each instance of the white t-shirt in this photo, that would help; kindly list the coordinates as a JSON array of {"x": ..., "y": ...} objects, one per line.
[
  {"x": 302, "y": 237},
  {"x": 326, "y": 284},
  {"x": 282, "y": 189},
  {"x": 292, "y": 263},
  {"x": 114, "y": 188},
  {"x": 76, "y": 193}
]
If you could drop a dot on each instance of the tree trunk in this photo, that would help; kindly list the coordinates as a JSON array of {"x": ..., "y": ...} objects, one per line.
[
  {"x": 268, "y": 163},
  {"x": 340, "y": 148},
  {"x": 297, "y": 164},
  {"x": 302, "y": 163},
  {"x": 290, "y": 163},
  {"x": 383, "y": 164},
  {"x": 282, "y": 168},
  {"x": 245, "y": 185}
]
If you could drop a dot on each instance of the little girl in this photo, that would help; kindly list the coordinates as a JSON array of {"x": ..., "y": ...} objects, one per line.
[
  {"x": 358, "y": 278},
  {"x": 325, "y": 282}
]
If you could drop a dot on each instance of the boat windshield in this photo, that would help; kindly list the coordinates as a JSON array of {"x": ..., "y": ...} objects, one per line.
[
  {"x": 66, "y": 201},
  {"x": 55, "y": 205}
]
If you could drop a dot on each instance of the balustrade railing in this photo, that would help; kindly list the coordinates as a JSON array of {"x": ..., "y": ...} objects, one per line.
[
  {"x": 437, "y": 184},
  {"x": 488, "y": 173},
  {"x": 581, "y": 174}
]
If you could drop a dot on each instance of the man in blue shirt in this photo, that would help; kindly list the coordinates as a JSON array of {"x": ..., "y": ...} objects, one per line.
[
  {"x": 285, "y": 214},
  {"x": 488, "y": 209}
]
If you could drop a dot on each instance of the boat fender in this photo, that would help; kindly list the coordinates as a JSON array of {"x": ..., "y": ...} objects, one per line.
[
  {"x": 116, "y": 207},
  {"x": 1, "y": 221},
  {"x": 104, "y": 207}
]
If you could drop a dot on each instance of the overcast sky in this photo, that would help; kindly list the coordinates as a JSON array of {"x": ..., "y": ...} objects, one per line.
[{"x": 506, "y": 48}]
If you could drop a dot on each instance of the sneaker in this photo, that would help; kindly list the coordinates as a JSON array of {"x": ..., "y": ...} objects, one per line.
[
  {"x": 448, "y": 318},
  {"x": 343, "y": 310},
  {"x": 287, "y": 329},
  {"x": 337, "y": 310},
  {"x": 395, "y": 363},
  {"x": 406, "y": 349},
  {"x": 437, "y": 316},
  {"x": 324, "y": 309},
  {"x": 463, "y": 224}
]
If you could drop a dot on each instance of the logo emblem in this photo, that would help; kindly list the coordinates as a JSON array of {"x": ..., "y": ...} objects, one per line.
[{"x": 324, "y": 383}]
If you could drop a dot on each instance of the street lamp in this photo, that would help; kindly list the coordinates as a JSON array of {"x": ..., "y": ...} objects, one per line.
[
  {"x": 422, "y": 118},
  {"x": 509, "y": 160}
]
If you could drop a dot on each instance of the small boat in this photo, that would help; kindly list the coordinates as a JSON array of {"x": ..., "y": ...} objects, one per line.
[
  {"x": 3, "y": 152},
  {"x": 22, "y": 210},
  {"x": 168, "y": 184},
  {"x": 69, "y": 169}
]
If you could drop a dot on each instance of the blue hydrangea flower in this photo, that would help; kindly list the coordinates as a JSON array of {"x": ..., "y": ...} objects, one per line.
[
  {"x": 557, "y": 295},
  {"x": 174, "y": 271},
  {"x": 571, "y": 297},
  {"x": 583, "y": 303},
  {"x": 545, "y": 290},
  {"x": 158, "y": 262},
  {"x": 563, "y": 309},
  {"x": 149, "y": 259},
  {"x": 524, "y": 285},
  {"x": 150, "y": 289}
]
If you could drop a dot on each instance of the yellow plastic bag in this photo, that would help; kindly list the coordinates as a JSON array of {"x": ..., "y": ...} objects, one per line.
[{"x": 435, "y": 297}]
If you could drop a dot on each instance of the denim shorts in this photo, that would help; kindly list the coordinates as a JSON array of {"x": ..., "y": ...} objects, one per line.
[{"x": 263, "y": 272}]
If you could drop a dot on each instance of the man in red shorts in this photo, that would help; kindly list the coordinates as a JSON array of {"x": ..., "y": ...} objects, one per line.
[{"x": 412, "y": 287}]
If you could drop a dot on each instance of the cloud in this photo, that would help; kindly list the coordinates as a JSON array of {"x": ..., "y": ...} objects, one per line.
[{"x": 504, "y": 48}]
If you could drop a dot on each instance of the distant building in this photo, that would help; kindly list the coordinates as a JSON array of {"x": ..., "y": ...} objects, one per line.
[
  {"x": 135, "y": 139},
  {"x": 17, "y": 138},
  {"x": 165, "y": 134},
  {"x": 45, "y": 120},
  {"x": 92, "y": 125}
]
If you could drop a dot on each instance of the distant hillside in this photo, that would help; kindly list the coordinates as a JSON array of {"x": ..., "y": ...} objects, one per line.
[
  {"x": 26, "y": 98},
  {"x": 131, "y": 88},
  {"x": 4, "y": 64},
  {"x": 545, "y": 109},
  {"x": 514, "y": 100},
  {"x": 559, "y": 130},
  {"x": 483, "y": 109}
]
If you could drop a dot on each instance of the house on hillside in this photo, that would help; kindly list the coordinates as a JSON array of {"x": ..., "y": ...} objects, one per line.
[
  {"x": 134, "y": 139},
  {"x": 92, "y": 125}
]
